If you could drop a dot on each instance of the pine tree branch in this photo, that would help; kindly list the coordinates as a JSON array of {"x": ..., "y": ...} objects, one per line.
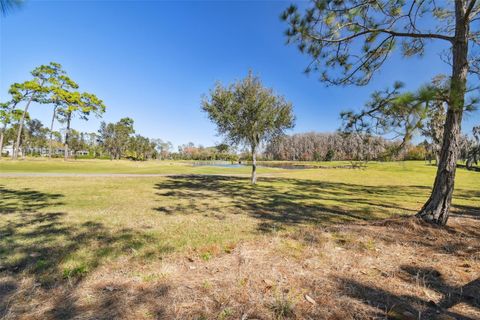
[
  {"x": 470, "y": 7},
  {"x": 387, "y": 31}
]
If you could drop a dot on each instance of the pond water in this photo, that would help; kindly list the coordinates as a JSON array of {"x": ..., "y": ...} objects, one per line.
[
  {"x": 224, "y": 164},
  {"x": 221, "y": 164}
]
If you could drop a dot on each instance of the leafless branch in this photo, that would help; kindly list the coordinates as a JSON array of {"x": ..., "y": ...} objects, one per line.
[{"x": 470, "y": 7}]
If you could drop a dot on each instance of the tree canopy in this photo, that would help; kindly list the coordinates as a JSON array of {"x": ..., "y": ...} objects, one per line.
[
  {"x": 246, "y": 113},
  {"x": 348, "y": 41},
  {"x": 50, "y": 85},
  {"x": 8, "y": 5},
  {"x": 402, "y": 114},
  {"x": 115, "y": 137}
]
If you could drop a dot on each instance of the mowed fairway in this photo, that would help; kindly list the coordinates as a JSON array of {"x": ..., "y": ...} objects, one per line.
[{"x": 68, "y": 240}]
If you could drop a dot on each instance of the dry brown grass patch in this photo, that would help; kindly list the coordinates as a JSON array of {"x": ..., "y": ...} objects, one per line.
[{"x": 356, "y": 271}]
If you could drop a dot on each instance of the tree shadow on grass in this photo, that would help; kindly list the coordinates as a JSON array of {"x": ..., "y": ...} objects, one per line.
[
  {"x": 119, "y": 303},
  {"x": 14, "y": 201},
  {"x": 467, "y": 211},
  {"x": 388, "y": 302},
  {"x": 52, "y": 252},
  {"x": 472, "y": 169},
  {"x": 279, "y": 202},
  {"x": 460, "y": 239},
  {"x": 7, "y": 289},
  {"x": 459, "y": 299}
]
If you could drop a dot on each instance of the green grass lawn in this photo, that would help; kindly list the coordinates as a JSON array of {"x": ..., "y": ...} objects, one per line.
[
  {"x": 37, "y": 165},
  {"x": 63, "y": 227}
]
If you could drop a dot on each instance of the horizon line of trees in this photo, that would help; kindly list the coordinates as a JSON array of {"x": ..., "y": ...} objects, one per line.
[
  {"x": 317, "y": 146},
  {"x": 120, "y": 141},
  {"x": 112, "y": 141},
  {"x": 338, "y": 146}
]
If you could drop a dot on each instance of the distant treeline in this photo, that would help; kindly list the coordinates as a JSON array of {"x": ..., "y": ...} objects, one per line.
[
  {"x": 314, "y": 146},
  {"x": 118, "y": 140}
]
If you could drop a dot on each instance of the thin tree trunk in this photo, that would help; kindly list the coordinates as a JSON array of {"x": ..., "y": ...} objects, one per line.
[
  {"x": 67, "y": 136},
  {"x": 437, "y": 207},
  {"x": 254, "y": 166},
  {"x": 2, "y": 135},
  {"x": 20, "y": 129},
  {"x": 25, "y": 143},
  {"x": 469, "y": 164},
  {"x": 20, "y": 126},
  {"x": 51, "y": 132},
  {"x": 1, "y": 144}
]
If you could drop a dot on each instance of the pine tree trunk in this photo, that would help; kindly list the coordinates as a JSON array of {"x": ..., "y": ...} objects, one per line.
[
  {"x": 20, "y": 126},
  {"x": 254, "y": 166},
  {"x": 20, "y": 129},
  {"x": 67, "y": 136},
  {"x": 2, "y": 135},
  {"x": 51, "y": 132},
  {"x": 437, "y": 207},
  {"x": 1, "y": 144}
]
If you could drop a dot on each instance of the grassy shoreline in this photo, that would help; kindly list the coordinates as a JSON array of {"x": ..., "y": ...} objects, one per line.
[{"x": 38, "y": 165}]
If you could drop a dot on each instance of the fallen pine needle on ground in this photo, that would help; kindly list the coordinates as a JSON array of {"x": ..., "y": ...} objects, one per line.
[{"x": 360, "y": 271}]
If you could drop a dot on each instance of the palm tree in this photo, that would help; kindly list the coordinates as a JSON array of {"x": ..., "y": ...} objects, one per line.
[{"x": 8, "y": 5}]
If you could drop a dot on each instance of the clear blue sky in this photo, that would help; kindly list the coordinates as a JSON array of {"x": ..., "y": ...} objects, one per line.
[{"x": 153, "y": 61}]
